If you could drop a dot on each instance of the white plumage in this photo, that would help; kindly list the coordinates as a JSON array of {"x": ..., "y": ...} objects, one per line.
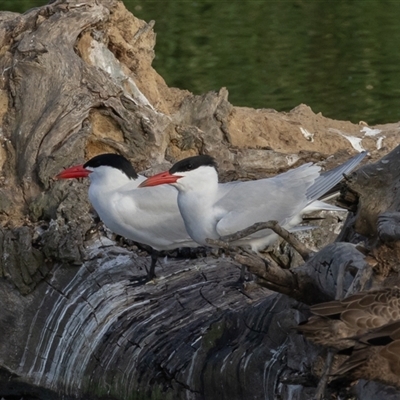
[{"x": 211, "y": 210}]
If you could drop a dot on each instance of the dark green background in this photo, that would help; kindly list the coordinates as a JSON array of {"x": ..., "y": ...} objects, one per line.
[{"x": 341, "y": 57}]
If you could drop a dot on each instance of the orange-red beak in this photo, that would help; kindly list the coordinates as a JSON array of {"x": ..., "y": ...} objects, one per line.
[
  {"x": 74, "y": 172},
  {"x": 160, "y": 179}
]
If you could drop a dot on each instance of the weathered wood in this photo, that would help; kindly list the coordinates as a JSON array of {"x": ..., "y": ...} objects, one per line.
[
  {"x": 77, "y": 81},
  {"x": 90, "y": 327},
  {"x": 378, "y": 188}
]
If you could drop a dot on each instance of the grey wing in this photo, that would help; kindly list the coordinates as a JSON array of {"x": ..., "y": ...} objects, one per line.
[
  {"x": 329, "y": 179},
  {"x": 156, "y": 218},
  {"x": 279, "y": 198}
]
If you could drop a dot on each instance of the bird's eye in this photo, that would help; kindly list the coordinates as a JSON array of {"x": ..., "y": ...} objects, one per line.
[{"x": 190, "y": 166}]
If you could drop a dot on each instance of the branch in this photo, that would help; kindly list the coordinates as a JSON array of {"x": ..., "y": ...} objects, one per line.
[
  {"x": 271, "y": 275},
  {"x": 221, "y": 243},
  {"x": 304, "y": 252}
]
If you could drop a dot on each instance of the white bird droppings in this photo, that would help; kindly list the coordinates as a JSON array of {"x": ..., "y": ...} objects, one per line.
[
  {"x": 308, "y": 135},
  {"x": 370, "y": 132}
]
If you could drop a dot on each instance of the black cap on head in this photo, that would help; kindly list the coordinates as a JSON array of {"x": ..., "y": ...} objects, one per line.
[
  {"x": 115, "y": 161},
  {"x": 191, "y": 163}
]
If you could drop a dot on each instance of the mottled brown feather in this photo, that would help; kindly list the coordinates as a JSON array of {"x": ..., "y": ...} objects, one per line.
[
  {"x": 378, "y": 363},
  {"x": 368, "y": 325},
  {"x": 356, "y": 315}
]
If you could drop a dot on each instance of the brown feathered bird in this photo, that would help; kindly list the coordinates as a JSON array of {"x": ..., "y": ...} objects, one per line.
[
  {"x": 365, "y": 326},
  {"x": 376, "y": 356}
]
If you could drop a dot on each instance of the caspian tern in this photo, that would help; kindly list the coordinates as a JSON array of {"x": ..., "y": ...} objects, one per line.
[
  {"x": 150, "y": 217},
  {"x": 212, "y": 210}
]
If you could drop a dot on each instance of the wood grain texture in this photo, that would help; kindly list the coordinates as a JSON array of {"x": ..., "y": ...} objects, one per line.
[{"x": 77, "y": 81}]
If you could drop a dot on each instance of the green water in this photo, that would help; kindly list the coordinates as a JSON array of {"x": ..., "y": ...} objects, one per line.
[{"x": 341, "y": 57}]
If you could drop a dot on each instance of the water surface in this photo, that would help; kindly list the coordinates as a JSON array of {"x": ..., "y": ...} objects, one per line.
[{"x": 340, "y": 57}]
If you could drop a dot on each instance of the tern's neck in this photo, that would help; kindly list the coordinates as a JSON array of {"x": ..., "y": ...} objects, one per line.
[{"x": 197, "y": 206}]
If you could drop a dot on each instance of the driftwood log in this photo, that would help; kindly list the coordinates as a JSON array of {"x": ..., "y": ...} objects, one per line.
[{"x": 74, "y": 323}]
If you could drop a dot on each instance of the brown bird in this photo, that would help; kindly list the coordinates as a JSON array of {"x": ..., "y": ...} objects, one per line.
[
  {"x": 336, "y": 323},
  {"x": 365, "y": 326},
  {"x": 376, "y": 356}
]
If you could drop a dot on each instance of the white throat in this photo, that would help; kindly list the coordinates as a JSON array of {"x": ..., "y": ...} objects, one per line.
[{"x": 196, "y": 199}]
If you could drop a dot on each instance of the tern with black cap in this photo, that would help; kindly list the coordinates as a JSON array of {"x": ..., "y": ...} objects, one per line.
[
  {"x": 150, "y": 217},
  {"x": 209, "y": 213}
]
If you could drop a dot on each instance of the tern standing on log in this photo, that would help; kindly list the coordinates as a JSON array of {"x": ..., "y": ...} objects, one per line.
[
  {"x": 150, "y": 217},
  {"x": 208, "y": 213}
]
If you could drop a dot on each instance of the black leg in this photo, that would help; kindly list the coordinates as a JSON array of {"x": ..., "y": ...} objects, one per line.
[
  {"x": 154, "y": 258},
  {"x": 141, "y": 280},
  {"x": 242, "y": 277}
]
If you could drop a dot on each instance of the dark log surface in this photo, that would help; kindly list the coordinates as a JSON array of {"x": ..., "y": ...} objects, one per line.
[{"x": 74, "y": 320}]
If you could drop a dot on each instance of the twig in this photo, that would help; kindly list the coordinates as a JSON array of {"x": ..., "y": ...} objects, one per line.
[
  {"x": 148, "y": 27},
  {"x": 340, "y": 280},
  {"x": 272, "y": 276},
  {"x": 362, "y": 277},
  {"x": 319, "y": 393},
  {"x": 304, "y": 252},
  {"x": 220, "y": 243}
]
